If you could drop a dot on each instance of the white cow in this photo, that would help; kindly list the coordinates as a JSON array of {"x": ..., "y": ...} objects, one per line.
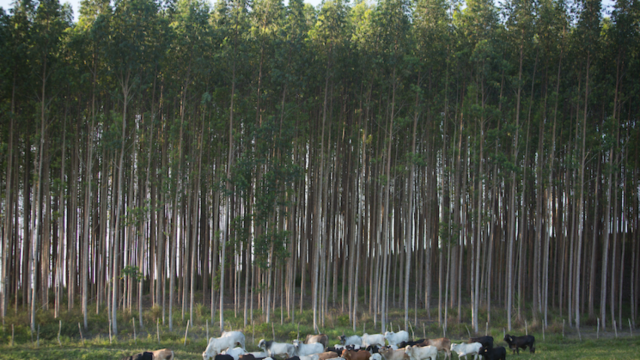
[
  {"x": 396, "y": 338},
  {"x": 351, "y": 340},
  {"x": 375, "y": 339},
  {"x": 467, "y": 349},
  {"x": 421, "y": 353},
  {"x": 259, "y": 354},
  {"x": 274, "y": 348},
  {"x": 227, "y": 340},
  {"x": 309, "y": 357},
  {"x": 303, "y": 349},
  {"x": 375, "y": 356},
  {"x": 235, "y": 352}
]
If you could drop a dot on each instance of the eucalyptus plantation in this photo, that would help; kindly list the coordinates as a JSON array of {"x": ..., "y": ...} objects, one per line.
[{"x": 349, "y": 158}]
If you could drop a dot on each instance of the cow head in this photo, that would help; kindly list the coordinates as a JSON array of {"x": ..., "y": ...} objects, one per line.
[
  {"x": 342, "y": 339},
  {"x": 346, "y": 354},
  {"x": 483, "y": 351},
  {"x": 210, "y": 351},
  {"x": 262, "y": 345}
]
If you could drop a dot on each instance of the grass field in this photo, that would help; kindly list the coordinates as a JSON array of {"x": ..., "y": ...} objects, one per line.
[
  {"x": 620, "y": 348},
  {"x": 560, "y": 342}
]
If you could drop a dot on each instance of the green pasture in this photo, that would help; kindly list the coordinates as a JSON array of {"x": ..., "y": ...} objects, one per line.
[
  {"x": 558, "y": 342},
  {"x": 555, "y": 348}
]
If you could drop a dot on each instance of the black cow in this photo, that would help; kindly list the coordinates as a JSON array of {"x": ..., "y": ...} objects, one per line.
[
  {"x": 247, "y": 357},
  {"x": 404, "y": 344},
  {"x": 493, "y": 353},
  {"x": 223, "y": 357},
  {"x": 142, "y": 356},
  {"x": 373, "y": 349},
  {"x": 486, "y": 341},
  {"x": 518, "y": 342},
  {"x": 337, "y": 351}
]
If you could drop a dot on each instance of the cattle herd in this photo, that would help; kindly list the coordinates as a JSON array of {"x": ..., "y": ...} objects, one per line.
[{"x": 231, "y": 345}]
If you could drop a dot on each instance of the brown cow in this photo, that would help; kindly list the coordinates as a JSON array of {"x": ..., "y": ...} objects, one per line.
[
  {"x": 320, "y": 338},
  {"x": 442, "y": 344},
  {"x": 327, "y": 355},
  {"x": 356, "y": 355},
  {"x": 389, "y": 354}
]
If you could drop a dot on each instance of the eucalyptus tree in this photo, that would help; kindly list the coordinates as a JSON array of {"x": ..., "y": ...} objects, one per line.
[
  {"x": 328, "y": 36},
  {"x": 5, "y": 34},
  {"x": 16, "y": 44},
  {"x": 266, "y": 33},
  {"x": 478, "y": 31},
  {"x": 230, "y": 22},
  {"x": 129, "y": 48},
  {"x": 391, "y": 29},
  {"x": 49, "y": 25},
  {"x": 291, "y": 57},
  {"x": 433, "y": 27},
  {"x": 520, "y": 23},
  {"x": 625, "y": 42},
  {"x": 361, "y": 23},
  {"x": 588, "y": 32},
  {"x": 620, "y": 39},
  {"x": 191, "y": 30},
  {"x": 551, "y": 30},
  {"x": 88, "y": 36}
]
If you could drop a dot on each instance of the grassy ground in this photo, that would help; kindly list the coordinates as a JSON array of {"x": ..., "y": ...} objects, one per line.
[
  {"x": 552, "y": 348},
  {"x": 560, "y": 342}
]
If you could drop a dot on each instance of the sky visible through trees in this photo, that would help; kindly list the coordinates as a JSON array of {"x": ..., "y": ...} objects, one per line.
[{"x": 349, "y": 157}]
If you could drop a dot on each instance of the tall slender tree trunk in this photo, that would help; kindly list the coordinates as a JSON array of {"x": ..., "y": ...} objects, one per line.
[
  {"x": 386, "y": 210},
  {"x": 549, "y": 197},
  {"x": 8, "y": 213},
  {"x": 317, "y": 216},
  {"x": 605, "y": 243},
  {"x": 194, "y": 230},
  {"x": 173, "y": 247},
  {"x": 227, "y": 221},
  {"x": 512, "y": 196},
  {"x": 580, "y": 201},
  {"x": 35, "y": 235},
  {"x": 87, "y": 212},
  {"x": 476, "y": 272},
  {"x": 410, "y": 219},
  {"x": 61, "y": 228}
]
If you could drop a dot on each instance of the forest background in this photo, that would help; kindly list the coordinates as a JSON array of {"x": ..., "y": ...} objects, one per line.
[{"x": 353, "y": 158}]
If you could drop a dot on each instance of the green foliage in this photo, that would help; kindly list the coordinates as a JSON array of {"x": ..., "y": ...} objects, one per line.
[{"x": 132, "y": 272}]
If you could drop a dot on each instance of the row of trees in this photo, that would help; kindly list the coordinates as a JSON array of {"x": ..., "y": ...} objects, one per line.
[{"x": 401, "y": 154}]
